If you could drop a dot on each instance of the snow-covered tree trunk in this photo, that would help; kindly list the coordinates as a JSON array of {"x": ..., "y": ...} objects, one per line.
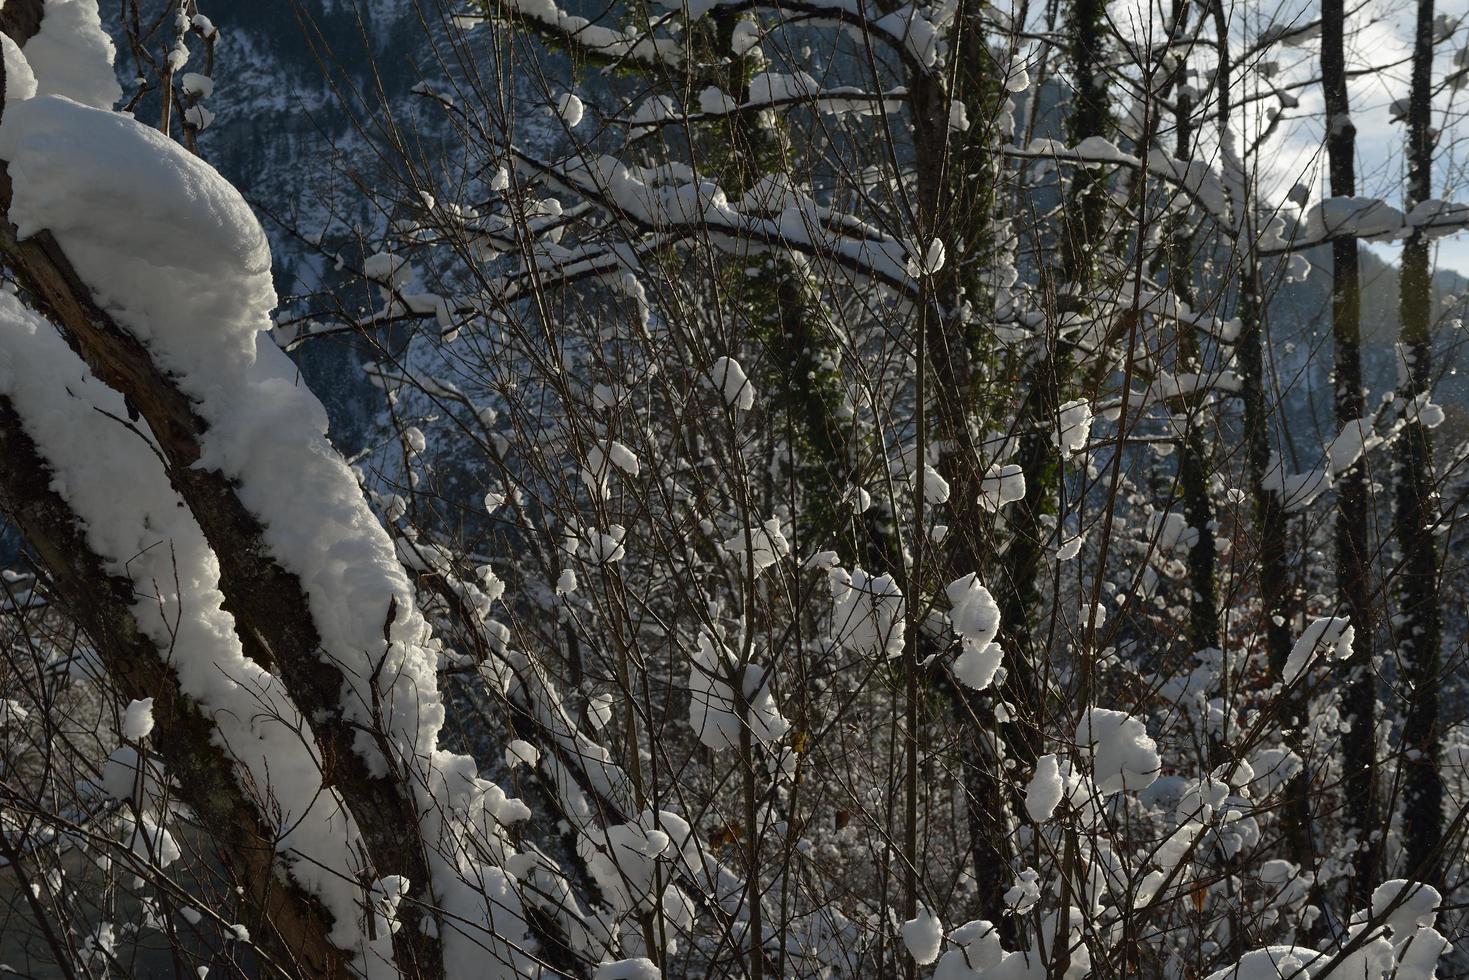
[
  {"x": 167, "y": 313},
  {"x": 293, "y": 926}
]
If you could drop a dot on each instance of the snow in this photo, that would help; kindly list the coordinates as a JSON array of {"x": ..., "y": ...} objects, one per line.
[
  {"x": 1355, "y": 440},
  {"x": 20, "y": 81},
  {"x": 654, "y": 109},
  {"x": 1423, "y": 410},
  {"x": 1017, "y": 79},
  {"x": 137, "y": 720},
  {"x": 195, "y": 84},
  {"x": 1297, "y": 491},
  {"x": 975, "y": 618},
  {"x": 599, "y": 710},
  {"x": 933, "y": 260},
  {"x": 12, "y": 713},
  {"x": 638, "y": 968},
  {"x": 935, "y": 487},
  {"x": 1364, "y": 217},
  {"x": 1272, "y": 963},
  {"x": 958, "y": 117},
  {"x": 1171, "y": 532},
  {"x": 127, "y": 776},
  {"x": 1002, "y": 484},
  {"x": 386, "y": 895},
  {"x": 606, "y": 547},
  {"x": 149, "y": 841},
  {"x": 714, "y": 102},
  {"x": 973, "y": 612},
  {"x": 570, "y": 108},
  {"x": 767, "y": 545},
  {"x": 203, "y": 312},
  {"x": 601, "y": 459},
  {"x": 151, "y": 207},
  {"x": 729, "y": 379},
  {"x": 1043, "y": 794},
  {"x": 174, "y": 254},
  {"x": 1284, "y": 882},
  {"x": 867, "y": 614},
  {"x": 1329, "y": 635},
  {"x": 745, "y": 37},
  {"x": 198, "y": 116},
  {"x": 72, "y": 55},
  {"x": 1438, "y": 218},
  {"x": 636, "y": 45},
  {"x": 1102, "y": 150},
  {"x": 919, "y": 36},
  {"x": 172, "y": 251},
  {"x": 1408, "y": 949},
  {"x": 62, "y": 408},
  {"x": 923, "y": 935},
  {"x": 1025, "y": 894},
  {"x": 624, "y": 860},
  {"x": 520, "y": 752},
  {"x": 566, "y": 582},
  {"x": 1405, "y": 906},
  {"x": 386, "y": 268},
  {"x": 1073, "y": 428},
  {"x": 714, "y": 711},
  {"x": 1122, "y": 754}
]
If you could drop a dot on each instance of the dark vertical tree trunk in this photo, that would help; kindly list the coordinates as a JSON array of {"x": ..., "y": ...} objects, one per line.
[
  {"x": 1353, "y": 563},
  {"x": 1418, "y": 638},
  {"x": 956, "y": 194},
  {"x": 1273, "y": 564},
  {"x": 1019, "y": 585},
  {"x": 1193, "y": 462}
]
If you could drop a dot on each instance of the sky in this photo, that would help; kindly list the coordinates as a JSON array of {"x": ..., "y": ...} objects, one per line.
[{"x": 1379, "y": 39}]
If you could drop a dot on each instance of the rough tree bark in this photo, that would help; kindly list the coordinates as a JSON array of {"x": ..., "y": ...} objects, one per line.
[
  {"x": 1193, "y": 461},
  {"x": 1089, "y": 114}
]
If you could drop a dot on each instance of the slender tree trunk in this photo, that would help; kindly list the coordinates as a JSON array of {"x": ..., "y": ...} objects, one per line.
[
  {"x": 959, "y": 176},
  {"x": 1090, "y": 114},
  {"x": 1353, "y": 563},
  {"x": 1273, "y": 564},
  {"x": 1193, "y": 462},
  {"x": 1418, "y": 639}
]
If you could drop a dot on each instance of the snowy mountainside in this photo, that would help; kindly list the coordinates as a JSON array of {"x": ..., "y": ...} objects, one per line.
[{"x": 283, "y": 137}]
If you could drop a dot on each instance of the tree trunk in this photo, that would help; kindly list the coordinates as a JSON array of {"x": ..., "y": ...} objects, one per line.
[
  {"x": 1353, "y": 568},
  {"x": 1417, "y": 512},
  {"x": 1193, "y": 462},
  {"x": 1273, "y": 565},
  {"x": 1090, "y": 114},
  {"x": 956, "y": 187}
]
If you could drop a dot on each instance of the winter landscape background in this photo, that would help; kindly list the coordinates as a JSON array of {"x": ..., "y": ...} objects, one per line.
[{"x": 830, "y": 488}]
